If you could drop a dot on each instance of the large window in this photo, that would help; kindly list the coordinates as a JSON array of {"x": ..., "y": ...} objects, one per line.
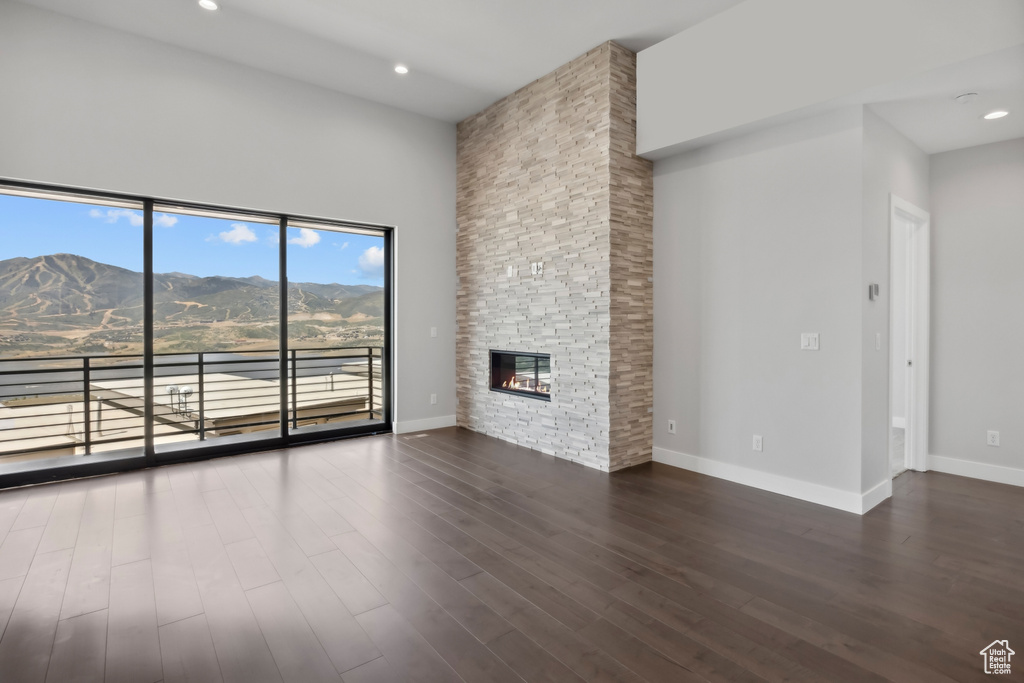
[
  {"x": 216, "y": 328},
  {"x": 335, "y": 325},
  {"x": 135, "y": 332},
  {"x": 71, "y": 314}
]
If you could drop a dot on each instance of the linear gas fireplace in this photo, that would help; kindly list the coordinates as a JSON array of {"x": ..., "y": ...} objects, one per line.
[{"x": 521, "y": 373}]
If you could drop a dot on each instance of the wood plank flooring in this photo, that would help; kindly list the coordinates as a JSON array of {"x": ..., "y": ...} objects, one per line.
[{"x": 450, "y": 556}]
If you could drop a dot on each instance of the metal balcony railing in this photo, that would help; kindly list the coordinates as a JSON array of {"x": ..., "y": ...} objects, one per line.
[{"x": 79, "y": 405}]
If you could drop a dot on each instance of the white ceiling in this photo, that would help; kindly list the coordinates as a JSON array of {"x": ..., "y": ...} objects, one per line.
[
  {"x": 925, "y": 110},
  {"x": 462, "y": 54},
  {"x": 465, "y": 54}
]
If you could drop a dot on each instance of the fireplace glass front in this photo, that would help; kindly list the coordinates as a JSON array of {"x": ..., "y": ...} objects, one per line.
[{"x": 521, "y": 373}]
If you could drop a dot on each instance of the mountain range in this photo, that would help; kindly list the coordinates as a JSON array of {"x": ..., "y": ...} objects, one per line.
[{"x": 59, "y": 294}]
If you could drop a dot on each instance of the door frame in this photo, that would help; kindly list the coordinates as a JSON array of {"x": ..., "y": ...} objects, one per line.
[{"x": 918, "y": 243}]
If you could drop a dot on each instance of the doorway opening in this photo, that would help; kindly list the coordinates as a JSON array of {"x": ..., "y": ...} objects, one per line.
[{"x": 910, "y": 294}]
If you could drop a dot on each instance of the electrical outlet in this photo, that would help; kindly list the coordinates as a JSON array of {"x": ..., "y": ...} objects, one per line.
[
  {"x": 993, "y": 438},
  {"x": 433, "y": 399},
  {"x": 878, "y": 341},
  {"x": 758, "y": 443},
  {"x": 671, "y": 426},
  {"x": 433, "y": 331}
]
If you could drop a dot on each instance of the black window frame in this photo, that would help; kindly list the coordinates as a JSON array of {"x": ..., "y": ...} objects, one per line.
[{"x": 147, "y": 456}]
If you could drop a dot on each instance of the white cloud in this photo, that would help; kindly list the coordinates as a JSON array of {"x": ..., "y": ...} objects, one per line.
[
  {"x": 238, "y": 234},
  {"x": 114, "y": 215},
  {"x": 306, "y": 238},
  {"x": 345, "y": 245},
  {"x": 133, "y": 217},
  {"x": 372, "y": 262}
]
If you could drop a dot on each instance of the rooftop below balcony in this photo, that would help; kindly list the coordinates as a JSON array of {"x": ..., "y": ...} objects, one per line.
[{"x": 77, "y": 406}]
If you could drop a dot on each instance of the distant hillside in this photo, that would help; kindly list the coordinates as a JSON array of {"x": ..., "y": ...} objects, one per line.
[
  {"x": 64, "y": 284},
  {"x": 61, "y": 293}
]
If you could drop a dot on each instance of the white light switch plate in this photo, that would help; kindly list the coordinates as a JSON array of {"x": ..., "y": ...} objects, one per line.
[
  {"x": 809, "y": 341},
  {"x": 433, "y": 331}
]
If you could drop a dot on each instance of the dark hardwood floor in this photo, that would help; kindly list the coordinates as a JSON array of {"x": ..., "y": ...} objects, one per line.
[{"x": 448, "y": 556}]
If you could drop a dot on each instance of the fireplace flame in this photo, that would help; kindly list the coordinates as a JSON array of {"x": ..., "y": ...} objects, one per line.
[{"x": 520, "y": 385}]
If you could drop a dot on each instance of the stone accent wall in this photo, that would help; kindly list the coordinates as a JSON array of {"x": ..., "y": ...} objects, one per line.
[
  {"x": 631, "y": 380},
  {"x": 550, "y": 174}
]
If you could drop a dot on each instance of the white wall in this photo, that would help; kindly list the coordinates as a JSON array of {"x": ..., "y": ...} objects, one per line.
[
  {"x": 892, "y": 165},
  {"x": 977, "y": 352},
  {"x": 757, "y": 240},
  {"x": 92, "y": 107}
]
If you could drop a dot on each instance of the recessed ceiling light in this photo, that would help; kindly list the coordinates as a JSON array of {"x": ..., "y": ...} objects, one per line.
[
  {"x": 998, "y": 114},
  {"x": 401, "y": 69},
  {"x": 208, "y": 4}
]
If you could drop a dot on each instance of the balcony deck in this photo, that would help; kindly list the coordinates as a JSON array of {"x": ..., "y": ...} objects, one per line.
[{"x": 221, "y": 403}]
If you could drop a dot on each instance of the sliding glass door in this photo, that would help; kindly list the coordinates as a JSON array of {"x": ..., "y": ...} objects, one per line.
[
  {"x": 70, "y": 320},
  {"x": 216, "y": 329},
  {"x": 136, "y": 332}
]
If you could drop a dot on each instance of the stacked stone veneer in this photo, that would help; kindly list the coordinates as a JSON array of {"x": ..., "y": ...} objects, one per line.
[{"x": 550, "y": 174}]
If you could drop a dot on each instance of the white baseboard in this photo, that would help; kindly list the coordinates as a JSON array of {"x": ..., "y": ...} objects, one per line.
[
  {"x": 879, "y": 494},
  {"x": 899, "y": 422},
  {"x": 407, "y": 426},
  {"x": 976, "y": 470},
  {"x": 848, "y": 501}
]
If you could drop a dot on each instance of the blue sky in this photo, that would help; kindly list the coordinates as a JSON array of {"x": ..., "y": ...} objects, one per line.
[{"x": 188, "y": 244}]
